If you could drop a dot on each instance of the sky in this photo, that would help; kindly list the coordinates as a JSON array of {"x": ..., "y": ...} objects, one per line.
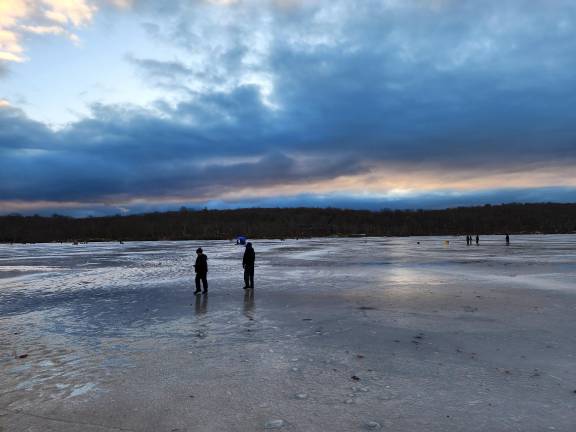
[{"x": 127, "y": 106}]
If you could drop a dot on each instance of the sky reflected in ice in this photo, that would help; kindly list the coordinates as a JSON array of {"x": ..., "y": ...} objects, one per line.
[{"x": 82, "y": 311}]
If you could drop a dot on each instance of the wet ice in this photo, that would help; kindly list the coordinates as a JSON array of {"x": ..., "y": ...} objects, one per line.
[{"x": 430, "y": 330}]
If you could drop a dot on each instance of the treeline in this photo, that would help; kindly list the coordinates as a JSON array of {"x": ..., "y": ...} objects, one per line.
[{"x": 190, "y": 224}]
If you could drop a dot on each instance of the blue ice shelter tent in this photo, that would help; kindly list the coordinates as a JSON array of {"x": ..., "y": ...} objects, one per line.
[{"x": 241, "y": 240}]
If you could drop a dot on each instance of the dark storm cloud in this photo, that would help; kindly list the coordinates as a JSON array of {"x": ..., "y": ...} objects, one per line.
[
  {"x": 19, "y": 132},
  {"x": 128, "y": 155},
  {"x": 280, "y": 94},
  {"x": 465, "y": 82}
]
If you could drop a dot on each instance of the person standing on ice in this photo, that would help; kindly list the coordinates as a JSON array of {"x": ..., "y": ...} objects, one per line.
[
  {"x": 477, "y": 239},
  {"x": 201, "y": 269},
  {"x": 248, "y": 264},
  {"x": 507, "y": 240}
]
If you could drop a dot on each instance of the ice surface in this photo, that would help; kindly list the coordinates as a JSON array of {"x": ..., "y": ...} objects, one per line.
[{"x": 408, "y": 334}]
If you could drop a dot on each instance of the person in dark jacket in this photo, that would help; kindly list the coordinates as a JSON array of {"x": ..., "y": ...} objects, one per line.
[
  {"x": 248, "y": 264},
  {"x": 201, "y": 269}
]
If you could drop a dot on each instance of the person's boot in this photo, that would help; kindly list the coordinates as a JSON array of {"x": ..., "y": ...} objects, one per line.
[{"x": 196, "y": 292}]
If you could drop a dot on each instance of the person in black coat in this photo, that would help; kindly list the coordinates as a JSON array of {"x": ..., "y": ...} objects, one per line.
[
  {"x": 248, "y": 264},
  {"x": 201, "y": 269}
]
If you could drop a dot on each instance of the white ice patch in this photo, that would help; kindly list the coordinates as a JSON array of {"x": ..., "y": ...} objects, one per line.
[{"x": 82, "y": 390}]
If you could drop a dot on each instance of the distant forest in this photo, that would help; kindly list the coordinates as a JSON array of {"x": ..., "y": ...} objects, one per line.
[{"x": 190, "y": 224}]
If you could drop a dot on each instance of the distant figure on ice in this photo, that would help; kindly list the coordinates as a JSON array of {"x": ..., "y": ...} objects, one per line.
[
  {"x": 248, "y": 264},
  {"x": 477, "y": 240},
  {"x": 201, "y": 269},
  {"x": 507, "y": 240},
  {"x": 468, "y": 240}
]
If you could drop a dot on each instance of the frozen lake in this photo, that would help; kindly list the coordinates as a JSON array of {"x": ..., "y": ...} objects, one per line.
[{"x": 398, "y": 334}]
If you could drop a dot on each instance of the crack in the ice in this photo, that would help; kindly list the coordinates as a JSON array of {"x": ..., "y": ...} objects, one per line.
[{"x": 72, "y": 422}]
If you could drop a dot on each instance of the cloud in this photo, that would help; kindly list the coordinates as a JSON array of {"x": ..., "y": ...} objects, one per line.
[
  {"x": 321, "y": 101},
  {"x": 76, "y": 12},
  {"x": 43, "y": 17}
]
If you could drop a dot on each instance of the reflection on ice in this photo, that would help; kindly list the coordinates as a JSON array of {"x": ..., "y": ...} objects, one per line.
[
  {"x": 249, "y": 304},
  {"x": 404, "y": 315},
  {"x": 201, "y": 304}
]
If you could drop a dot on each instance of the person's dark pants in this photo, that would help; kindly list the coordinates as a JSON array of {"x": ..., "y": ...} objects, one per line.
[
  {"x": 249, "y": 276},
  {"x": 201, "y": 277}
]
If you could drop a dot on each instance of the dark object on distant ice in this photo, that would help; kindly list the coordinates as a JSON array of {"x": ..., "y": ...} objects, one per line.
[
  {"x": 366, "y": 308},
  {"x": 201, "y": 269},
  {"x": 248, "y": 261},
  {"x": 22, "y": 356},
  {"x": 507, "y": 239},
  {"x": 477, "y": 239},
  {"x": 355, "y": 378}
]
